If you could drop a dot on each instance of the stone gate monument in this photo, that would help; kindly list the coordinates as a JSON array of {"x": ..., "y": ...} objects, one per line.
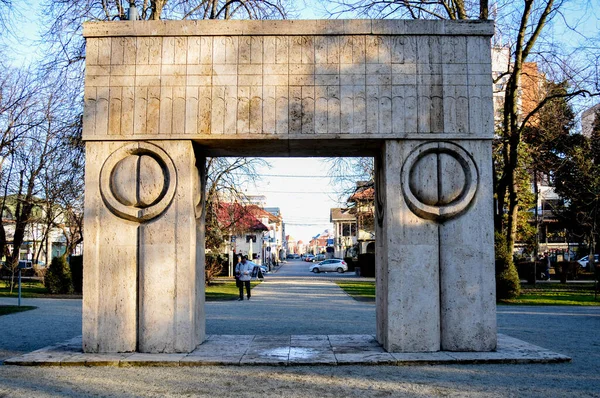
[{"x": 161, "y": 96}]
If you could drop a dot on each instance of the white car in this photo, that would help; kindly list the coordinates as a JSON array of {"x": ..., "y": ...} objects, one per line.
[
  {"x": 584, "y": 260},
  {"x": 333, "y": 264}
]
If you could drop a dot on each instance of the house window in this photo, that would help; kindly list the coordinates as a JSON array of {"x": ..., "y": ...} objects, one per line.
[
  {"x": 250, "y": 238},
  {"x": 348, "y": 229}
]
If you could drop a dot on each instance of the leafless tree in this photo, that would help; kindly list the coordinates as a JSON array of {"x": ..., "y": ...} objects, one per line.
[
  {"x": 225, "y": 177},
  {"x": 61, "y": 182},
  {"x": 41, "y": 144},
  {"x": 5, "y": 12},
  {"x": 66, "y": 17},
  {"x": 411, "y": 9},
  {"x": 345, "y": 172},
  {"x": 18, "y": 103}
]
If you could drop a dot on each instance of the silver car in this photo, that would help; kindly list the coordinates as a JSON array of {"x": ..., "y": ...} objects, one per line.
[
  {"x": 333, "y": 264},
  {"x": 584, "y": 261}
]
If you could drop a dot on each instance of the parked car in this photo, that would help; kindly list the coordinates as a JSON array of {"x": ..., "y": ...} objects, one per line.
[
  {"x": 263, "y": 268},
  {"x": 333, "y": 264},
  {"x": 296, "y": 256},
  {"x": 319, "y": 257},
  {"x": 309, "y": 257},
  {"x": 584, "y": 260}
]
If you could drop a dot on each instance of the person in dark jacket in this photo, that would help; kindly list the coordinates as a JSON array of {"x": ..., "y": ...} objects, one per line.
[{"x": 243, "y": 272}]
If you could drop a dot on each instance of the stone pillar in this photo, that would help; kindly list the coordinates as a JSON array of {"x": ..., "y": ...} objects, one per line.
[
  {"x": 408, "y": 303},
  {"x": 110, "y": 265},
  {"x": 435, "y": 258},
  {"x": 467, "y": 271},
  {"x": 143, "y": 268}
]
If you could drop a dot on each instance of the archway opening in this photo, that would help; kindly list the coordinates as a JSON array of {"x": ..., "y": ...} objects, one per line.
[{"x": 292, "y": 209}]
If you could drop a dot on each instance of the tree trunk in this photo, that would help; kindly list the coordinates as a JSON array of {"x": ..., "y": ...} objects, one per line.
[
  {"x": 513, "y": 193},
  {"x": 484, "y": 9}
]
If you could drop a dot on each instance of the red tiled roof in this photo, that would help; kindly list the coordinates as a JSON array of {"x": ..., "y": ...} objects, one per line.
[
  {"x": 363, "y": 194},
  {"x": 233, "y": 216}
]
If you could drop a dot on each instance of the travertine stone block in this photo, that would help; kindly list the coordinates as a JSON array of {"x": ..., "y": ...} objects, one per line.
[
  {"x": 110, "y": 266},
  {"x": 468, "y": 300},
  {"x": 171, "y": 274},
  {"x": 408, "y": 308},
  {"x": 287, "y": 27},
  {"x": 144, "y": 280},
  {"x": 388, "y": 53}
]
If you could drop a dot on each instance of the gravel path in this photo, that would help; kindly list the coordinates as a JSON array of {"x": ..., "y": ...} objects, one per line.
[{"x": 280, "y": 307}]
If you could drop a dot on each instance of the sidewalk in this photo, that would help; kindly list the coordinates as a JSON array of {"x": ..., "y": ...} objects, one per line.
[
  {"x": 282, "y": 305},
  {"x": 53, "y": 321},
  {"x": 288, "y": 321}
]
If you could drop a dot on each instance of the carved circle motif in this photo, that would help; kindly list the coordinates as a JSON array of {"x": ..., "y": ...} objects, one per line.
[
  {"x": 138, "y": 181},
  {"x": 439, "y": 180}
]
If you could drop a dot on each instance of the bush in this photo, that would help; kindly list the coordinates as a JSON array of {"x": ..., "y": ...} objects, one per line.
[
  {"x": 366, "y": 262},
  {"x": 508, "y": 284},
  {"x": 58, "y": 277},
  {"x": 76, "y": 266}
]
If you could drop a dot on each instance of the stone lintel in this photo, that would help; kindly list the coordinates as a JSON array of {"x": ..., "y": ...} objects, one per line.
[
  {"x": 270, "y": 145},
  {"x": 290, "y": 137},
  {"x": 288, "y": 27}
]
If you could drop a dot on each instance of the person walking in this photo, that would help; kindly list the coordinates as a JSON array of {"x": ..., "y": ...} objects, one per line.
[
  {"x": 243, "y": 273},
  {"x": 547, "y": 271}
]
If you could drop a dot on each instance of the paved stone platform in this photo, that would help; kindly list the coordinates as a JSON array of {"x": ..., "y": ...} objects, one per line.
[{"x": 294, "y": 350}]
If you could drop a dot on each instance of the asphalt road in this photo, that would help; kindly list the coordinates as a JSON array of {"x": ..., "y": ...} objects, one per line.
[{"x": 298, "y": 269}]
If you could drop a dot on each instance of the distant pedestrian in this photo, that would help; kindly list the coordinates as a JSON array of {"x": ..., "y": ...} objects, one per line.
[
  {"x": 547, "y": 263},
  {"x": 243, "y": 273}
]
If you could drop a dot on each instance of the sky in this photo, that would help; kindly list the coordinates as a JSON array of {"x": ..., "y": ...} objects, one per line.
[{"x": 302, "y": 190}]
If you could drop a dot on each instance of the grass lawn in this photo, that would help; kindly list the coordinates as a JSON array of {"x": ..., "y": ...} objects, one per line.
[
  {"x": 219, "y": 291},
  {"x": 225, "y": 290},
  {"x": 362, "y": 291},
  {"x": 29, "y": 289},
  {"x": 540, "y": 294},
  {"x": 556, "y": 294},
  {"x": 11, "y": 309}
]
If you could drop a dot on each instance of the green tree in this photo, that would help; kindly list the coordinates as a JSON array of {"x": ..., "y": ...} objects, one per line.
[
  {"x": 58, "y": 278},
  {"x": 576, "y": 178},
  {"x": 508, "y": 284},
  {"x": 543, "y": 139}
]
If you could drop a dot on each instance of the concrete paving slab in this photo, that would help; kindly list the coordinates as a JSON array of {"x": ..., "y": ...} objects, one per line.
[
  {"x": 288, "y": 350},
  {"x": 431, "y": 358},
  {"x": 211, "y": 360},
  {"x": 140, "y": 359},
  {"x": 309, "y": 356},
  {"x": 365, "y": 358},
  {"x": 112, "y": 360}
]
